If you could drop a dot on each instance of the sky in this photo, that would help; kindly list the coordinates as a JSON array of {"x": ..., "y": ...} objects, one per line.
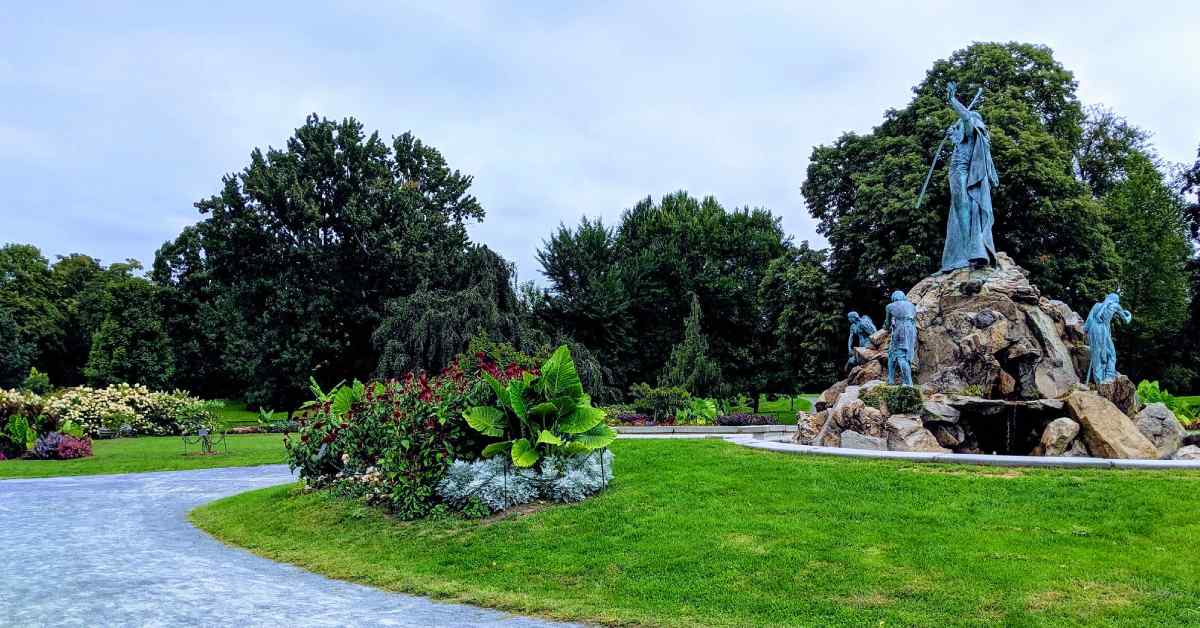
[{"x": 116, "y": 117}]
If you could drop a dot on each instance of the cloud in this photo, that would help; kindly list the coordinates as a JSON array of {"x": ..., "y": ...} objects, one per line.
[{"x": 118, "y": 117}]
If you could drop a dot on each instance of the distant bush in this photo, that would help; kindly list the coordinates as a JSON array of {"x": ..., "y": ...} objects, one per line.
[
  {"x": 661, "y": 402},
  {"x": 145, "y": 412},
  {"x": 745, "y": 419},
  {"x": 36, "y": 382},
  {"x": 638, "y": 419}
]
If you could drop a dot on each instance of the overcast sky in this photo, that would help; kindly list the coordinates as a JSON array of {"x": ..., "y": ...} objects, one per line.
[{"x": 116, "y": 117}]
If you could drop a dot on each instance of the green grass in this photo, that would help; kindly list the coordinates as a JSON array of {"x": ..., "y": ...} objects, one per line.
[
  {"x": 162, "y": 453},
  {"x": 703, "y": 533},
  {"x": 783, "y": 409},
  {"x": 235, "y": 414}
]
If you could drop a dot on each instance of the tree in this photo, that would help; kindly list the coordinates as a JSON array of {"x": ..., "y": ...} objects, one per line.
[
  {"x": 27, "y": 294},
  {"x": 862, "y": 188},
  {"x": 1107, "y": 143},
  {"x": 16, "y": 356},
  {"x": 588, "y": 301},
  {"x": 424, "y": 331},
  {"x": 1151, "y": 234},
  {"x": 689, "y": 366},
  {"x": 303, "y": 249},
  {"x": 805, "y": 326},
  {"x": 131, "y": 346},
  {"x": 622, "y": 292}
]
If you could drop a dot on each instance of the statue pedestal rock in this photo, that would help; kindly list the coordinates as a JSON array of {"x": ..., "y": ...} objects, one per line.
[{"x": 997, "y": 364}]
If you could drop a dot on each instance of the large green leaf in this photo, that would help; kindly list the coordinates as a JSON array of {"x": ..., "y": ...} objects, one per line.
[
  {"x": 581, "y": 420},
  {"x": 498, "y": 388},
  {"x": 599, "y": 436},
  {"x": 544, "y": 409},
  {"x": 516, "y": 399},
  {"x": 495, "y": 448},
  {"x": 559, "y": 377},
  {"x": 548, "y": 438},
  {"x": 486, "y": 420},
  {"x": 523, "y": 454}
]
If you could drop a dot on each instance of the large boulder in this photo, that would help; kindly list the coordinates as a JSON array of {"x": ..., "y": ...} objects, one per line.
[
  {"x": 1057, "y": 437},
  {"x": 1191, "y": 452},
  {"x": 906, "y": 432},
  {"x": 1106, "y": 431},
  {"x": 991, "y": 331},
  {"x": 854, "y": 440},
  {"x": 1157, "y": 423},
  {"x": 1123, "y": 393}
]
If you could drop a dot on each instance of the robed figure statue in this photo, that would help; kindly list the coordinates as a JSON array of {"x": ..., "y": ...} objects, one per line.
[
  {"x": 901, "y": 320},
  {"x": 1102, "y": 368},
  {"x": 972, "y": 176}
]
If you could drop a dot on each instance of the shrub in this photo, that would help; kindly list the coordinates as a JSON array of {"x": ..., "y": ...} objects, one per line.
[
  {"x": 36, "y": 382},
  {"x": 59, "y": 446},
  {"x": 540, "y": 415},
  {"x": 659, "y": 402},
  {"x": 144, "y": 411},
  {"x": 697, "y": 412},
  {"x": 16, "y": 437},
  {"x": 745, "y": 419},
  {"x": 894, "y": 399},
  {"x": 389, "y": 443},
  {"x": 1151, "y": 392}
]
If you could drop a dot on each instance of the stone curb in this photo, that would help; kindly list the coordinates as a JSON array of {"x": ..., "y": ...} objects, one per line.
[
  {"x": 975, "y": 459},
  {"x": 705, "y": 429}
]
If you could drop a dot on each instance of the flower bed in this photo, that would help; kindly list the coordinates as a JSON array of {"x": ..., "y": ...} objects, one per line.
[
  {"x": 745, "y": 419},
  {"x": 413, "y": 444}
]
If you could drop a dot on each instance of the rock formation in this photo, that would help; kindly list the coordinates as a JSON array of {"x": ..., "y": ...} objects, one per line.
[{"x": 999, "y": 367}]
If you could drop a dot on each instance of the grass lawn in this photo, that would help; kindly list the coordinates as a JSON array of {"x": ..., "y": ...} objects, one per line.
[
  {"x": 151, "y": 453},
  {"x": 704, "y": 533},
  {"x": 235, "y": 414},
  {"x": 783, "y": 409}
]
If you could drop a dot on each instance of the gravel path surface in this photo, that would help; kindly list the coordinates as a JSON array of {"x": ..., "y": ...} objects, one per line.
[{"x": 117, "y": 550}]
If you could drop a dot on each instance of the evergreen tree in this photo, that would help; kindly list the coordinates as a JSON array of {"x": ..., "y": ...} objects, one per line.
[{"x": 689, "y": 366}]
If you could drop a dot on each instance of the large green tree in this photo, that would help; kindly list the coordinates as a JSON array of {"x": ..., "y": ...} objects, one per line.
[
  {"x": 29, "y": 295},
  {"x": 425, "y": 330},
  {"x": 1147, "y": 223},
  {"x": 806, "y": 327},
  {"x": 622, "y": 292},
  {"x": 689, "y": 366},
  {"x": 862, "y": 188},
  {"x": 304, "y": 247},
  {"x": 131, "y": 344}
]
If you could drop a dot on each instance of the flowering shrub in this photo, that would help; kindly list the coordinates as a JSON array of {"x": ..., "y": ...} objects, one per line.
[
  {"x": 143, "y": 410},
  {"x": 389, "y": 443},
  {"x": 20, "y": 403},
  {"x": 59, "y": 446},
  {"x": 745, "y": 419}
]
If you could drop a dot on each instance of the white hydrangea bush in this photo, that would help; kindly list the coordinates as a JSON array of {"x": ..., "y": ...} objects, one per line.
[
  {"x": 143, "y": 410},
  {"x": 499, "y": 485}
]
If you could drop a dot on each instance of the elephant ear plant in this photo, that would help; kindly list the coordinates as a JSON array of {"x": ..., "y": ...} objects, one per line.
[{"x": 542, "y": 415}]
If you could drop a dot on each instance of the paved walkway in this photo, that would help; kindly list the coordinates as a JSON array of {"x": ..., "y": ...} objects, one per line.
[{"x": 117, "y": 550}]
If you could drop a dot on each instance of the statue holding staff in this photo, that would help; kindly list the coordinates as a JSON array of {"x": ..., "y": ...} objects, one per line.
[
  {"x": 972, "y": 175},
  {"x": 1098, "y": 327}
]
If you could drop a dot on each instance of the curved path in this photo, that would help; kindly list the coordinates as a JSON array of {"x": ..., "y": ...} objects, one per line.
[{"x": 117, "y": 550}]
